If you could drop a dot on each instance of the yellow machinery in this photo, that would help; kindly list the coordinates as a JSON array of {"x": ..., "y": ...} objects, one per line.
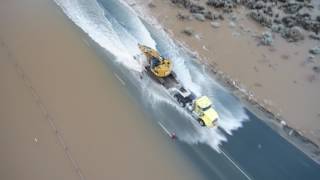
[
  {"x": 161, "y": 70},
  {"x": 159, "y": 66}
]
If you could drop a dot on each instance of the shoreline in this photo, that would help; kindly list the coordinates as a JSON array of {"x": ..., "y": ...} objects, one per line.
[{"x": 268, "y": 113}]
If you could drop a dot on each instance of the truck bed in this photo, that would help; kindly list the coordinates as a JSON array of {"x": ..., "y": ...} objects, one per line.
[
  {"x": 171, "y": 82},
  {"x": 168, "y": 82}
]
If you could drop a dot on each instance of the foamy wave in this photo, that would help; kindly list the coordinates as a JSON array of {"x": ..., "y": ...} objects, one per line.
[
  {"x": 90, "y": 17},
  {"x": 198, "y": 81},
  {"x": 116, "y": 27}
]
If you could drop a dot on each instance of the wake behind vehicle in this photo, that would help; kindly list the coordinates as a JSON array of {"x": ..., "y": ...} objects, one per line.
[{"x": 160, "y": 69}]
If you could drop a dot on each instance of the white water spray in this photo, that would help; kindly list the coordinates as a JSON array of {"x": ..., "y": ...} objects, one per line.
[
  {"x": 90, "y": 17},
  {"x": 119, "y": 32}
]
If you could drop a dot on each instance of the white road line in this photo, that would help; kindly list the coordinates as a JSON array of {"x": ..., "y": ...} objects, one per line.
[
  {"x": 121, "y": 81},
  {"x": 235, "y": 164},
  {"x": 164, "y": 128}
]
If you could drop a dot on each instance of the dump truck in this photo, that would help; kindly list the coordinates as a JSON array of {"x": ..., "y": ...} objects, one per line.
[{"x": 159, "y": 68}]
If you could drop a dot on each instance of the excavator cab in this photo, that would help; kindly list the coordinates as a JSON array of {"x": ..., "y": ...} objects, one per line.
[
  {"x": 159, "y": 66},
  {"x": 154, "y": 62}
]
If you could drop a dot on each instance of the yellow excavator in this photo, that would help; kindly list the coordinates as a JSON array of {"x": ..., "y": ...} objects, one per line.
[
  {"x": 160, "y": 69},
  {"x": 159, "y": 66}
]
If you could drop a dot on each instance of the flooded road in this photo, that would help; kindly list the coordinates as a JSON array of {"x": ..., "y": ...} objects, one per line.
[
  {"x": 107, "y": 115},
  {"x": 218, "y": 153},
  {"x": 48, "y": 73}
]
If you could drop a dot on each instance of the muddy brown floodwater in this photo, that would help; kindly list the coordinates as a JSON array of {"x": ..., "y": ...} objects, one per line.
[{"x": 63, "y": 114}]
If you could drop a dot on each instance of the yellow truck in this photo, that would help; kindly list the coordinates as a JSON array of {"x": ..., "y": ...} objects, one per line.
[
  {"x": 160, "y": 69},
  {"x": 201, "y": 108},
  {"x": 203, "y": 111}
]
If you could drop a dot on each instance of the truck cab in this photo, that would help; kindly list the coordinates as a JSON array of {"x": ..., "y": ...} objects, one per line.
[
  {"x": 201, "y": 108},
  {"x": 204, "y": 112}
]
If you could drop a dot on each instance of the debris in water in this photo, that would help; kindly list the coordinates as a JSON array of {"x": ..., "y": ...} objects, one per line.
[
  {"x": 266, "y": 38},
  {"x": 204, "y": 47},
  {"x": 316, "y": 69},
  {"x": 236, "y": 34},
  {"x": 199, "y": 17},
  {"x": 283, "y": 123},
  {"x": 232, "y": 24},
  {"x": 188, "y": 31},
  {"x": 315, "y": 50},
  {"x": 151, "y": 5},
  {"x": 293, "y": 34},
  {"x": 291, "y": 132},
  {"x": 197, "y": 36},
  {"x": 215, "y": 24},
  {"x": 182, "y": 16},
  {"x": 314, "y": 37},
  {"x": 285, "y": 57}
]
